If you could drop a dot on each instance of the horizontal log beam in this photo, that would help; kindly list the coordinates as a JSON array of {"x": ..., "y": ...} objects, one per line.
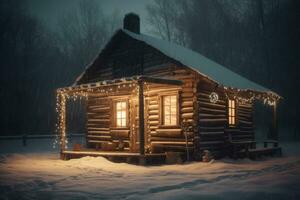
[
  {"x": 171, "y": 142},
  {"x": 99, "y": 132}
]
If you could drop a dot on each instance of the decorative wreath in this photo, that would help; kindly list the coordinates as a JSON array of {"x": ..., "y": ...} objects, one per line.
[{"x": 213, "y": 97}]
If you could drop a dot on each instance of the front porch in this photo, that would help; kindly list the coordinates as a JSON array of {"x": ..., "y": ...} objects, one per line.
[
  {"x": 116, "y": 156},
  {"x": 103, "y": 138}
]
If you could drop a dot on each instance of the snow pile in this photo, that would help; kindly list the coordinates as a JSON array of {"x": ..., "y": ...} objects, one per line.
[{"x": 44, "y": 176}]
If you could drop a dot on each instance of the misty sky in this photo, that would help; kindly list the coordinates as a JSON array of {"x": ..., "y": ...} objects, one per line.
[{"x": 50, "y": 10}]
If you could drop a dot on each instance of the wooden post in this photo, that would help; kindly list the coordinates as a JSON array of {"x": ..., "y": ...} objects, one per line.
[
  {"x": 275, "y": 126},
  {"x": 62, "y": 121},
  {"x": 141, "y": 117}
]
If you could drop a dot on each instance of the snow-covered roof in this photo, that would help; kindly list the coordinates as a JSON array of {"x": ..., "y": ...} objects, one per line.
[
  {"x": 199, "y": 63},
  {"x": 195, "y": 61}
]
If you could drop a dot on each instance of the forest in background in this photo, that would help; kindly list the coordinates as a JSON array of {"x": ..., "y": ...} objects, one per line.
[{"x": 258, "y": 39}]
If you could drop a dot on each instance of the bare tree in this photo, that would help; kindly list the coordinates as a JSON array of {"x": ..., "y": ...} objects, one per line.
[
  {"x": 84, "y": 32},
  {"x": 164, "y": 17}
]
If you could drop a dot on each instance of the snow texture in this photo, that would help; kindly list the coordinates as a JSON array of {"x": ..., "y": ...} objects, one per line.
[
  {"x": 38, "y": 173},
  {"x": 199, "y": 63}
]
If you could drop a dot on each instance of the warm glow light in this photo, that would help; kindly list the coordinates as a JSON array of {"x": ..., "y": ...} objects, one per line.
[
  {"x": 82, "y": 91},
  {"x": 231, "y": 112},
  {"x": 170, "y": 110},
  {"x": 121, "y": 113},
  {"x": 61, "y": 98}
]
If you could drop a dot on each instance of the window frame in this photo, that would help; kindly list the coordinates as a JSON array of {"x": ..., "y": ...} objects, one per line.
[
  {"x": 114, "y": 115},
  {"x": 232, "y": 108},
  {"x": 161, "y": 109}
]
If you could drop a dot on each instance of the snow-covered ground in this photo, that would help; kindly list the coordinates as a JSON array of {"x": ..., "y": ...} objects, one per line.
[{"x": 37, "y": 173}]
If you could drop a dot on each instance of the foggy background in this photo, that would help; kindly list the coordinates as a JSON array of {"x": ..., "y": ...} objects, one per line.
[{"x": 47, "y": 44}]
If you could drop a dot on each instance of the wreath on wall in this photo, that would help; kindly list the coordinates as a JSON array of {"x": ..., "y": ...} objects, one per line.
[{"x": 213, "y": 97}]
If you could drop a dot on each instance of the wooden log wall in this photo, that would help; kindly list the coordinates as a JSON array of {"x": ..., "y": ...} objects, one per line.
[
  {"x": 101, "y": 133},
  {"x": 244, "y": 129},
  {"x": 98, "y": 121},
  {"x": 162, "y": 138},
  {"x": 212, "y": 118},
  {"x": 125, "y": 57},
  {"x": 245, "y": 120},
  {"x": 122, "y": 57}
]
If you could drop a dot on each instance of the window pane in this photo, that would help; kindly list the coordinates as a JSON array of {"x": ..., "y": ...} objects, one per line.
[
  {"x": 173, "y": 109},
  {"x": 167, "y": 119},
  {"x": 121, "y": 113},
  {"x": 118, "y": 105},
  {"x": 167, "y": 101},
  {"x": 173, "y": 100},
  {"x": 167, "y": 110},
  {"x": 119, "y": 123},
  {"x": 123, "y": 121},
  {"x": 173, "y": 119},
  {"x": 231, "y": 112},
  {"x": 170, "y": 110}
]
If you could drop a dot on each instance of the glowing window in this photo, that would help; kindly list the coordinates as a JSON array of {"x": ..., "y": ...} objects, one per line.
[
  {"x": 231, "y": 112},
  {"x": 121, "y": 114},
  {"x": 170, "y": 110}
]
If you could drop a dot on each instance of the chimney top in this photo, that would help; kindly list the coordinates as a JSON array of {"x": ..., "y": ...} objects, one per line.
[{"x": 131, "y": 23}]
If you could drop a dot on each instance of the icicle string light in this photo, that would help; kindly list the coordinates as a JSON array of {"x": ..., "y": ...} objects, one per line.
[
  {"x": 81, "y": 92},
  {"x": 60, "y": 126},
  {"x": 109, "y": 87},
  {"x": 148, "y": 146},
  {"x": 268, "y": 98}
]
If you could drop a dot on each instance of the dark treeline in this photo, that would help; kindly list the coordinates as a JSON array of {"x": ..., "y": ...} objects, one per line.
[
  {"x": 256, "y": 38},
  {"x": 36, "y": 60}
]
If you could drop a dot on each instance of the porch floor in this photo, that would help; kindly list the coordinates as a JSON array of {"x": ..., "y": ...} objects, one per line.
[{"x": 116, "y": 156}]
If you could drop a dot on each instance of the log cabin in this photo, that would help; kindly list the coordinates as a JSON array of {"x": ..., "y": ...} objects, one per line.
[{"x": 148, "y": 98}]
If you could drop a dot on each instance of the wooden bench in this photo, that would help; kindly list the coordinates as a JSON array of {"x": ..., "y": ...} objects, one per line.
[
  {"x": 236, "y": 146},
  {"x": 247, "y": 148},
  {"x": 274, "y": 142},
  {"x": 264, "y": 151}
]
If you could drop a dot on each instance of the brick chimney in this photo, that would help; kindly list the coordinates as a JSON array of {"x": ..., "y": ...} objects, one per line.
[{"x": 131, "y": 23}]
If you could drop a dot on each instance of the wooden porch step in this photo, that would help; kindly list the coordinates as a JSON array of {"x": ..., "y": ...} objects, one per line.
[{"x": 117, "y": 156}]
